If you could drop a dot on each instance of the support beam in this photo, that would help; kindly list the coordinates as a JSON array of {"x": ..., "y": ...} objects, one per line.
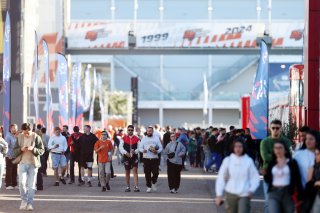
[
  {"x": 182, "y": 51},
  {"x": 311, "y": 62}
]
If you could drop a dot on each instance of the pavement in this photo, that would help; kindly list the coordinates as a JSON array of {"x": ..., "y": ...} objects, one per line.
[{"x": 196, "y": 194}]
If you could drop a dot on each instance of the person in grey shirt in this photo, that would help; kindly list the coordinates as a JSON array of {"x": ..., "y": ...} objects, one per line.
[
  {"x": 11, "y": 168},
  {"x": 44, "y": 158},
  {"x": 175, "y": 152}
]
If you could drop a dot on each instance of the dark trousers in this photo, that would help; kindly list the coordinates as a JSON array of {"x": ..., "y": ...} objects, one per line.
[
  {"x": 151, "y": 167},
  {"x": 111, "y": 169},
  {"x": 39, "y": 180},
  {"x": 183, "y": 160},
  {"x": 174, "y": 175},
  {"x": 11, "y": 173},
  {"x": 72, "y": 161},
  {"x": 44, "y": 162}
]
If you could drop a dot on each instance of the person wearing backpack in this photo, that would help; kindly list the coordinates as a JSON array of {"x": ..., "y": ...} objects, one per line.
[
  {"x": 73, "y": 144},
  {"x": 238, "y": 178}
]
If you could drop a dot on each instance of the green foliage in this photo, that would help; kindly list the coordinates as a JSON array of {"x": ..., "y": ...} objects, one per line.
[{"x": 117, "y": 104}]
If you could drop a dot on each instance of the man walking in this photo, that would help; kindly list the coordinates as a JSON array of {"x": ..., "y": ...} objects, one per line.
[
  {"x": 104, "y": 150},
  {"x": 57, "y": 146},
  {"x": 11, "y": 168},
  {"x": 130, "y": 150},
  {"x": 73, "y": 144},
  {"x": 86, "y": 142},
  {"x": 151, "y": 146},
  {"x": 183, "y": 138},
  {"x": 28, "y": 150},
  {"x": 266, "y": 150}
]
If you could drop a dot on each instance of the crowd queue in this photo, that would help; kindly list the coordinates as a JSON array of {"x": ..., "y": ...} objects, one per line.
[{"x": 290, "y": 171}]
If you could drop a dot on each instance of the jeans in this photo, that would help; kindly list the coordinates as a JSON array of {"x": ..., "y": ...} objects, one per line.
[
  {"x": 316, "y": 205},
  {"x": 151, "y": 167},
  {"x": 265, "y": 192},
  {"x": 104, "y": 173},
  {"x": 206, "y": 156},
  {"x": 192, "y": 157},
  {"x": 11, "y": 173},
  {"x": 27, "y": 182},
  {"x": 214, "y": 157},
  {"x": 1, "y": 173},
  {"x": 235, "y": 204},
  {"x": 280, "y": 201}
]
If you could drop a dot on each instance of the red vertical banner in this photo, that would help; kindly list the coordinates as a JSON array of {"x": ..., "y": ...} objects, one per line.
[{"x": 245, "y": 111}]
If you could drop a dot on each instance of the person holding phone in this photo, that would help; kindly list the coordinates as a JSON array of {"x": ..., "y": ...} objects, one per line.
[
  {"x": 57, "y": 146},
  {"x": 28, "y": 149}
]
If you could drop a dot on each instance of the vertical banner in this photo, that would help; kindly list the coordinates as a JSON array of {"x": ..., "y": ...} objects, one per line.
[
  {"x": 91, "y": 113},
  {"x": 63, "y": 89},
  {"x": 205, "y": 95},
  {"x": 87, "y": 90},
  {"x": 245, "y": 111},
  {"x": 258, "y": 122},
  {"x": 35, "y": 80},
  {"x": 79, "y": 101},
  {"x": 73, "y": 95},
  {"x": 6, "y": 76},
  {"x": 101, "y": 101},
  {"x": 134, "y": 90},
  {"x": 48, "y": 88}
]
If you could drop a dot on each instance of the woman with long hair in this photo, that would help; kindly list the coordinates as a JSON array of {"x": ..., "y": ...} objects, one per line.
[{"x": 283, "y": 178}]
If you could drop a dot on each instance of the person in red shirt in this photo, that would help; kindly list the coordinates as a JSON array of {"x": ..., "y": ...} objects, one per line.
[
  {"x": 73, "y": 144},
  {"x": 104, "y": 149},
  {"x": 129, "y": 149}
]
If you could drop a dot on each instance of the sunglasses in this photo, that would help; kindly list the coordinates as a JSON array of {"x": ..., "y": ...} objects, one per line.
[
  {"x": 130, "y": 130},
  {"x": 275, "y": 128}
]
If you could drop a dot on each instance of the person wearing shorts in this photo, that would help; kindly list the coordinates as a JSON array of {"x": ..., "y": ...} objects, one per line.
[
  {"x": 57, "y": 146},
  {"x": 86, "y": 146},
  {"x": 129, "y": 149}
]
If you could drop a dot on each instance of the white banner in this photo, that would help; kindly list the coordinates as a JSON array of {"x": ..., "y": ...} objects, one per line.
[{"x": 182, "y": 35}]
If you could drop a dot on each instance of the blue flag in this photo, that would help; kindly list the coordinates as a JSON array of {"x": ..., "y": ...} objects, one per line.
[
  {"x": 35, "y": 79},
  {"x": 6, "y": 76},
  {"x": 63, "y": 89},
  {"x": 48, "y": 88},
  {"x": 258, "y": 122},
  {"x": 73, "y": 94},
  {"x": 91, "y": 112},
  {"x": 79, "y": 109}
]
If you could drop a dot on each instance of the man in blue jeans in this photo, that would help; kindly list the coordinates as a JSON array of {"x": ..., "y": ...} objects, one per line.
[{"x": 214, "y": 156}]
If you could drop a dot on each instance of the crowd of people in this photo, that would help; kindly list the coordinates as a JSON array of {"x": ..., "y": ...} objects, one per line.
[{"x": 291, "y": 171}]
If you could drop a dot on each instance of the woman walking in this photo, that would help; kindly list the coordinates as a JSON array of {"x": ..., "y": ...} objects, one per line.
[
  {"x": 175, "y": 152},
  {"x": 283, "y": 178},
  {"x": 239, "y": 178}
]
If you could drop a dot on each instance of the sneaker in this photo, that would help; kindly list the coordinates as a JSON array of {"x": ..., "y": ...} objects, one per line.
[
  {"x": 154, "y": 187},
  {"x": 103, "y": 189},
  {"x": 71, "y": 182},
  {"x": 172, "y": 191},
  {"x": 128, "y": 189},
  {"x": 136, "y": 189},
  {"x": 56, "y": 184},
  {"x": 176, "y": 191},
  {"x": 23, "y": 205},
  {"x": 29, "y": 207},
  {"x": 63, "y": 181},
  {"x": 108, "y": 187},
  {"x": 10, "y": 188},
  {"x": 149, "y": 190},
  {"x": 89, "y": 184},
  {"x": 81, "y": 183}
]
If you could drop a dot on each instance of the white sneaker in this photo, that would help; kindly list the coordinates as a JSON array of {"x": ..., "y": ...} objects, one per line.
[
  {"x": 30, "y": 207},
  {"x": 23, "y": 205},
  {"x": 9, "y": 187},
  {"x": 154, "y": 187},
  {"x": 172, "y": 191},
  {"x": 148, "y": 190}
]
